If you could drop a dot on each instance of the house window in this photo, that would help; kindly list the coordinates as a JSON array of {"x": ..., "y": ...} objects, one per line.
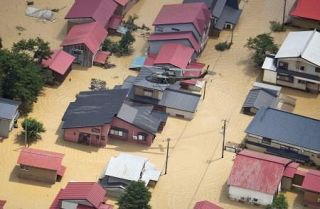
[
  {"x": 175, "y": 29},
  {"x": 228, "y": 26},
  {"x": 283, "y": 65},
  {"x": 147, "y": 93},
  {"x": 301, "y": 81},
  {"x": 255, "y": 200},
  {"x": 23, "y": 167},
  {"x": 103, "y": 138},
  {"x": 97, "y": 136},
  {"x": 77, "y": 51},
  {"x": 317, "y": 69},
  {"x": 266, "y": 141},
  {"x": 95, "y": 130},
  {"x": 142, "y": 136},
  {"x": 301, "y": 68},
  {"x": 118, "y": 132},
  {"x": 286, "y": 78}
]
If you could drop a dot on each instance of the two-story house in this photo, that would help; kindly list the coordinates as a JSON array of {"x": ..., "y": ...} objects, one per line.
[
  {"x": 297, "y": 63},
  {"x": 193, "y": 19},
  {"x": 285, "y": 134}
]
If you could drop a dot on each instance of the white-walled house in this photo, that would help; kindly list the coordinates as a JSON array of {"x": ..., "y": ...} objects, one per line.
[
  {"x": 297, "y": 63},
  {"x": 256, "y": 177}
]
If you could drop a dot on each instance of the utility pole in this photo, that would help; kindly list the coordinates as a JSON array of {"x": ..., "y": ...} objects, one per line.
[
  {"x": 167, "y": 156},
  {"x": 204, "y": 92},
  {"x": 223, "y": 136},
  {"x": 284, "y": 12}
]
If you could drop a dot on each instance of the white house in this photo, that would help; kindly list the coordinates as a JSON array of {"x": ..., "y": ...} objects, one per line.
[
  {"x": 256, "y": 177},
  {"x": 8, "y": 115},
  {"x": 297, "y": 63}
]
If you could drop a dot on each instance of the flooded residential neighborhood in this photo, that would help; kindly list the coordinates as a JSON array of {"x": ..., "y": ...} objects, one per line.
[{"x": 195, "y": 169}]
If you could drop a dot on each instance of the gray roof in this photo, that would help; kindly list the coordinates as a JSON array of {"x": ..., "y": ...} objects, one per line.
[
  {"x": 141, "y": 116},
  {"x": 141, "y": 80},
  {"x": 259, "y": 97},
  {"x": 93, "y": 108},
  {"x": 218, "y": 7},
  {"x": 209, "y": 3},
  {"x": 287, "y": 128},
  {"x": 228, "y": 15},
  {"x": 8, "y": 108}
]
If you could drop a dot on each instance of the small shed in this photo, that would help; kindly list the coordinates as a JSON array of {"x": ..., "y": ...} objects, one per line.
[
  {"x": 8, "y": 115},
  {"x": 305, "y": 14},
  {"x": 125, "y": 168},
  {"x": 2, "y": 203},
  {"x": 101, "y": 57},
  {"x": 83, "y": 42},
  {"x": 60, "y": 63},
  {"x": 84, "y": 195},
  {"x": 40, "y": 165},
  {"x": 311, "y": 188},
  {"x": 205, "y": 204}
]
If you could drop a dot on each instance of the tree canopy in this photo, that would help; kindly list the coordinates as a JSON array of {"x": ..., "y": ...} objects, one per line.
[
  {"x": 261, "y": 45},
  {"x": 279, "y": 202},
  {"x": 136, "y": 196},
  {"x": 32, "y": 128}
]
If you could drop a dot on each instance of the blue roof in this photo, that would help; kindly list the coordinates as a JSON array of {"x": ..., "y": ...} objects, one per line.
[
  {"x": 287, "y": 128},
  {"x": 137, "y": 62}
]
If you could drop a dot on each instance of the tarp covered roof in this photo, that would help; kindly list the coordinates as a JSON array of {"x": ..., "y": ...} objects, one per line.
[
  {"x": 307, "y": 9},
  {"x": 257, "y": 171},
  {"x": 59, "y": 61},
  {"x": 304, "y": 44},
  {"x": 196, "y": 14},
  {"x": 100, "y": 11},
  {"x": 287, "y": 128},
  {"x": 90, "y": 34}
]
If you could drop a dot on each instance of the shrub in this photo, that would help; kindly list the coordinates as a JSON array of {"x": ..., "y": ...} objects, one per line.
[
  {"x": 32, "y": 128},
  {"x": 222, "y": 46},
  {"x": 277, "y": 27}
]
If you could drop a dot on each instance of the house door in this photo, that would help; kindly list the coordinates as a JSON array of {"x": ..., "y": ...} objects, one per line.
[{"x": 84, "y": 138}]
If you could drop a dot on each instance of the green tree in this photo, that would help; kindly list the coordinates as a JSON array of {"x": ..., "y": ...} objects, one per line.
[
  {"x": 1, "y": 43},
  {"x": 280, "y": 202},
  {"x": 261, "y": 45},
  {"x": 21, "y": 79},
  {"x": 125, "y": 43},
  {"x": 136, "y": 196},
  {"x": 37, "y": 48},
  {"x": 32, "y": 128}
]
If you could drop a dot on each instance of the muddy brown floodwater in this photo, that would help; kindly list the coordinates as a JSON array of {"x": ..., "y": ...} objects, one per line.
[{"x": 195, "y": 171}]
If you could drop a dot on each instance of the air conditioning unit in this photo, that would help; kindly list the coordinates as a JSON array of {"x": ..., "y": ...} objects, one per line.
[{"x": 135, "y": 137}]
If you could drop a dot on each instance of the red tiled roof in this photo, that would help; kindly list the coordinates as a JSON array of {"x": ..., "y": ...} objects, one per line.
[
  {"x": 309, "y": 9},
  {"x": 311, "y": 181},
  {"x": 40, "y": 159},
  {"x": 195, "y": 13},
  {"x": 176, "y": 36},
  {"x": 257, "y": 171},
  {"x": 2, "y": 203},
  {"x": 122, "y": 2},
  {"x": 59, "y": 61},
  {"x": 90, "y": 34},
  {"x": 90, "y": 191},
  {"x": 206, "y": 205},
  {"x": 115, "y": 22},
  {"x": 101, "y": 57},
  {"x": 177, "y": 55},
  {"x": 99, "y": 10}
]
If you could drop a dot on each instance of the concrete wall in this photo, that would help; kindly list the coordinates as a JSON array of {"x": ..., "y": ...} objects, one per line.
[
  {"x": 4, "y": 127},
  {"x": 246, "y": 195},
  {"x": 132, "y": 131},
  {"x": 98, "y": 139},
  {"x": 37, "y": 174},
  {"x": 286, "y": 183},
  {"x": 154, "y": 46},
  {"x": 270, "y": 76}
]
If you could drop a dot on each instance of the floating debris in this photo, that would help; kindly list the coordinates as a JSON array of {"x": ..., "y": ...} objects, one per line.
[{"x": 97, "y": 85}]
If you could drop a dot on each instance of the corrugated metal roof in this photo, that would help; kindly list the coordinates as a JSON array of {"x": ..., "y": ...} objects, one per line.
[
  {"x": 94, "y": 108},
  {"x": 291, "y": 169},
  {"x": 257, "y": 171},
  {"x": 209, "y": 3},
  {"x": 100, "y": 11},
  {"x": 40, "y": 159},
  {"x": 122, "y": 2},
  {"x": 218, "y": 8},
  {"x": 307, "y": 9},
  {"x": 174, "y": 54},
  {"x": 286, "y": 127},
  {"x": 206, "y": 205},
  {"x": 8, "y": 108},
  {"x": 229, "y": 15},
  {"x": 101, "y": 57},
  {"x": 90, "y": 34},
  {"x": 196, "y": 13},
  {"x": 259, "y": 97},
  {"x": 59, "y": 61},
  {"x": 89, "y": 191},
  {"x": 125, "y": 166},
  {"x": 311, "y": 181},
  {"x": 304, "y": 44},
  {"x": 176, "y": 36}
]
